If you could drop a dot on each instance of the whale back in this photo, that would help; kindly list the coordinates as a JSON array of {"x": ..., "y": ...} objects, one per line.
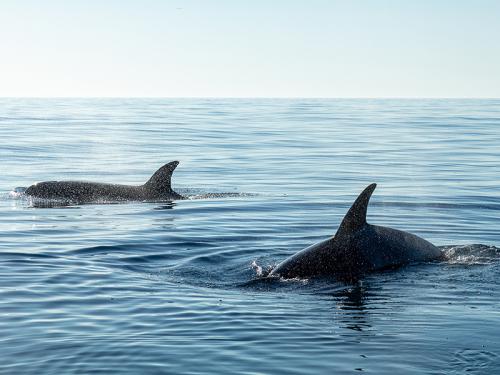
[
  {"x": 334, "y": 255},
  {"x": 364, "y": 248},
  {"x": 357, "y": 248},
  {"x": 159, "y": 185},
  {"x": 388, "y": 247}
]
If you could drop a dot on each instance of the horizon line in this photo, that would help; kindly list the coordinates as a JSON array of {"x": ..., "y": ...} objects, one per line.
[{"x": 249, "y": 97}]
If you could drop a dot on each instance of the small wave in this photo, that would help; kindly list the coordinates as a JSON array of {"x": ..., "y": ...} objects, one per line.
[
  {"x": 101, "y": 249},
  {"x": 262, "y": 275},
  {"x": 257, "y": 268},
  {"x": 261, "y": 272},
  {"x": 475, "y": 361},
  {"x": 270, "y": 283},
  {"x": 17, "y": 193},
  {"x": 204, "y": 193},
  {"x": 219, "y": 195},
  {"x": 36, "y": 202},
  {"x": 471, "y": 254},
  {"x": 489, "y": 205},
  {"x": 50, "y": 203}
]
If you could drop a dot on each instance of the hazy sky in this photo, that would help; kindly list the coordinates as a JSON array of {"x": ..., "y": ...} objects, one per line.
[{"x": 237, "y": 48}]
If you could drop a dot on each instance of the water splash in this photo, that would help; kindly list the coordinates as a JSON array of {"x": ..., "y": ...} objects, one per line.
[
  {"x": 257, "y": 269},
  {"x": 471, "y": 254},
  {"x": 195, "y": 196},
  {"x": 17, "y": 193}
]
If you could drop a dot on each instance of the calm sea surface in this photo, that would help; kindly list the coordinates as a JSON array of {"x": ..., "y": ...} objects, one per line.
[{"x": 169, "y": 288}]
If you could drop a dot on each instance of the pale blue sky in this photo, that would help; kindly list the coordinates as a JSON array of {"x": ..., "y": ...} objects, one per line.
[{"x": 309, "y": 48}]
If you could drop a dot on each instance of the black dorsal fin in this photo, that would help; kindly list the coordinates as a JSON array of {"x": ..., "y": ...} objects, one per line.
[
  {"x": 160, "y": 182},
  {"x": 355, "y": 218}
]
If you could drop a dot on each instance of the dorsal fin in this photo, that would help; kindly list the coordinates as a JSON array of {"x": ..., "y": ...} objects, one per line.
[
  {"x": 355, "y": 218},
  {"x": 160, "y": 182}
]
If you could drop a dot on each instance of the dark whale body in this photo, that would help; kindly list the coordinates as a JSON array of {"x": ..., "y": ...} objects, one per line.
[
  {"x": 357, "y": 248},
  {"x": 158, "y": 187}
]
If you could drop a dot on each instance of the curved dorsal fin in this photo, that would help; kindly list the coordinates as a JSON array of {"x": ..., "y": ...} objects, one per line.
[
  {"x": 355, "y": 218},
  {"x": 160, "y": 182}
]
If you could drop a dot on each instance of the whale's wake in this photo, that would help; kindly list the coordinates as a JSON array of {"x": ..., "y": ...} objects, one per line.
[{"x": 473, "y": 254}]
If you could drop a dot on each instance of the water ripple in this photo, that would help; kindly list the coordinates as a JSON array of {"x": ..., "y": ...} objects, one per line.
[{"x": 169, "y": 287}]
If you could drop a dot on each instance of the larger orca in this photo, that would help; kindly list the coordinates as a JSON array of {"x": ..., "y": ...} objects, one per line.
[
  {"x": 357, "y": 248},
  {"x": 158, "y": 187}
]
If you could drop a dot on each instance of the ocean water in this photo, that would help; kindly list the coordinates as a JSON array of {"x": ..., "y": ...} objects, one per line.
[{"x": 174, "y": 287}]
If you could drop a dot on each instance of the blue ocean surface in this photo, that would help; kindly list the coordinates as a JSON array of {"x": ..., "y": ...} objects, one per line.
[{"x": 174, "y": 287}]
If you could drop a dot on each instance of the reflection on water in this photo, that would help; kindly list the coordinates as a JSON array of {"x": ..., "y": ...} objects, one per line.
[
  {"x": 166, "y": 206},
  {"x": 351, "y": 302}
]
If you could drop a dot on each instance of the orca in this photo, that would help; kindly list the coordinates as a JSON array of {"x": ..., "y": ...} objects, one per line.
[
  {"x": 357, "y": 248},
  {"x": 157, "y": 188}
]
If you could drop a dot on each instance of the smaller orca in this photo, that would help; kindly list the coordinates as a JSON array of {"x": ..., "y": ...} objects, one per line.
[
  {"x": 158, "y": 187},
  {"x": 357, "y": 248}
]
